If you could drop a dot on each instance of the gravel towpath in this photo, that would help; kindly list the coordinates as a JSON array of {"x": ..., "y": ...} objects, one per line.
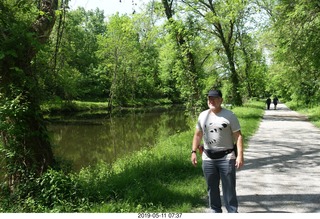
[{"x": 282, "y": 166}]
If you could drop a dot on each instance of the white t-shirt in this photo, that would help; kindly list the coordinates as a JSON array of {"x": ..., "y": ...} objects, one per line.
[{"x": 218, "y": 130}]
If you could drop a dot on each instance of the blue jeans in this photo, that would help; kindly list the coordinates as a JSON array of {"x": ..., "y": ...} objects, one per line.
[{"x": 223, "y": 169}]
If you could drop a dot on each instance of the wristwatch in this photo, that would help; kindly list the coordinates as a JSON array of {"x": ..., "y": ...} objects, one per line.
[{"x": 193, "y": 152}]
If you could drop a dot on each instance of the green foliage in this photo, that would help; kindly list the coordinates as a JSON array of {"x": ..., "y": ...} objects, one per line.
[
  {"x": 54, "y": 191},
  {"x": 184, "y": 68},
  {"x": 121, "y": 47},
  {"x": 167, "y": 57},
  {"x": 10, "y": 150},
  {"x": 157, "y": 179},
  {"x": 91, "y": 58},
  {"x": 296, "y": 29},
  {"x": 312, "y": 111},
  {"x": 68, "y": 67},
  {"x": 136, "y": 61},
  {"x": 25, "y": 149}
]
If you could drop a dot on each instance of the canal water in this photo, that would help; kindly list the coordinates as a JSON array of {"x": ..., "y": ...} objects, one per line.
[{"x": 85, "y": 140}]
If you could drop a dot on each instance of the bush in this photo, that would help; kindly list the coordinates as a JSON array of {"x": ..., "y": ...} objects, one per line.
[{"x": 54, "y": 191}]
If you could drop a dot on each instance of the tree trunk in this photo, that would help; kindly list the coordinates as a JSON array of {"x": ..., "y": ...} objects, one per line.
[
  {"x": 236, "y": 97},
  {"x": 23, "y": 131},
  {"x": 189, "y": 64},
  {"x": 229, "y": 51}
]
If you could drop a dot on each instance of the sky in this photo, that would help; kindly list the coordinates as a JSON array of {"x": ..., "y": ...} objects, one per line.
[{"x": 108, "y": 6}]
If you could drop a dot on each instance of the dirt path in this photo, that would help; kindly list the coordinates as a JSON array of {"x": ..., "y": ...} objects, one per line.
[{"x": 282, "y": 165}]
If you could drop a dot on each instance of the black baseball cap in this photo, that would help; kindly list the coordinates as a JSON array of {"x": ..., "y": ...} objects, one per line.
[{"x": 215, "y": 93}]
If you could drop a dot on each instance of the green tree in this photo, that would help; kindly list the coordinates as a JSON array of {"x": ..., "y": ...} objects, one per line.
[
  {"x": 77, "y": 59},
  {"x": 68, "y": 63},
  {"x": 185, "y": 69},
  {"x": 297, "y": 34},
  {"x": 252, "y": 66},
  {"x": 220, "y": 19},
  {"x": 24, "y": 27},
  {"x": 120, "y": 52},
  {"x": 148, "y": 68}
]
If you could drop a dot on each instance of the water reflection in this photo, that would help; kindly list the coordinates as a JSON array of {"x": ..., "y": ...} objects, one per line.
[{"x": 86, "y": 141}]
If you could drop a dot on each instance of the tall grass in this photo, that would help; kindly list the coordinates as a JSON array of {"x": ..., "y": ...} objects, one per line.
[{"x": 158, "y": 179}]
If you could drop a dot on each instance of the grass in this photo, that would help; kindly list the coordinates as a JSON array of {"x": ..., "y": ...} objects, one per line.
[
  {"x": 60, "y": 106},
  {"x": 72, "y": 106},
  {"x": 160, "y": 179},
  {"x": 313, "y": 113}
]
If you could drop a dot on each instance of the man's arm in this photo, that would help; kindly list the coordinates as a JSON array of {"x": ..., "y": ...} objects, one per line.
[{"x": 195, "y": 143}]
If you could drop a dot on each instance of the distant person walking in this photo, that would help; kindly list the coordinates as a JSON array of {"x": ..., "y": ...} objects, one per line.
[
  {"x": 268, "y": 102},
  {"x": 275, "y": 102}
]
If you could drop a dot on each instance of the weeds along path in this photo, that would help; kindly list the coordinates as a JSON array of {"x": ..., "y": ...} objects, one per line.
[{"x": 282, "y": 165}]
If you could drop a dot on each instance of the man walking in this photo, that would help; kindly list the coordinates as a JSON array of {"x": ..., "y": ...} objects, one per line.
[{"x": 268, "y": 101}]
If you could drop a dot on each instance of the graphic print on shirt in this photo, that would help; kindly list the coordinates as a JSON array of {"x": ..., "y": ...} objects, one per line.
[{"x": 213, "y": 131}]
